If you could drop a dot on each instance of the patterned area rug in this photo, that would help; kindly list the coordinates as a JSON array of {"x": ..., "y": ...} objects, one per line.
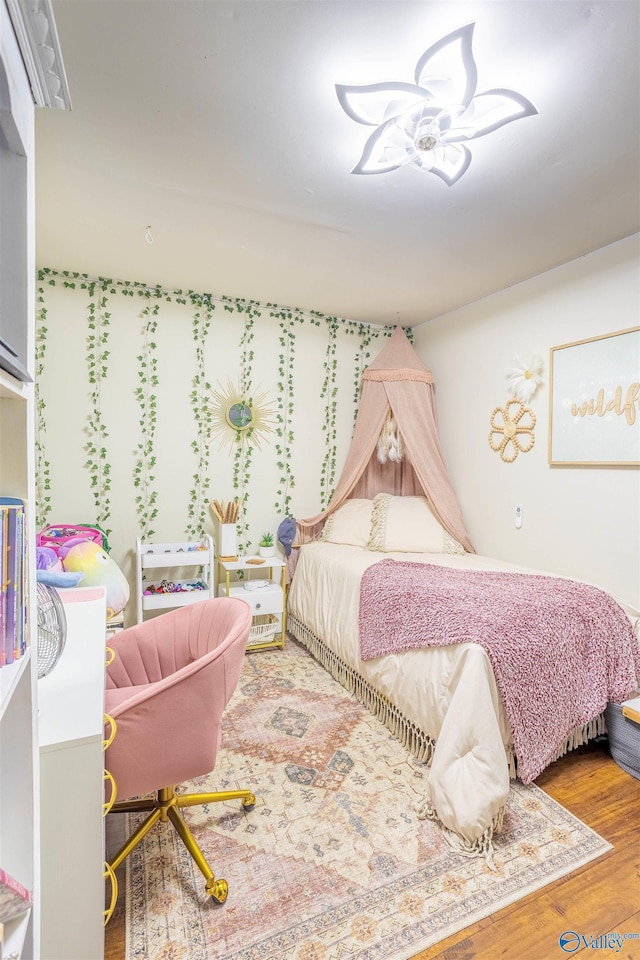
[{"x": 332, "y": 861}]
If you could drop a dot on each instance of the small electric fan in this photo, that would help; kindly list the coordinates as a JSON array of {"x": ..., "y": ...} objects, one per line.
[{"x": 52, "y": 628}]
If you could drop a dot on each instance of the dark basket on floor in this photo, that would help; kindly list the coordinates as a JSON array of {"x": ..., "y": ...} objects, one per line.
[{"x": 624, "y": 739}]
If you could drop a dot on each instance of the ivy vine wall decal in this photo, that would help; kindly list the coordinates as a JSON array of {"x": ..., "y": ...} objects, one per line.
[
  {"x": 97, "y": 367},
  {"x": 245, "y": 446},
  {"x": 329, "y": 394},
  {"x": 202, "y": 417},
  {"x": 361, "y": 361},
  {"x": 129, "y": 443},
  {"x": 287, "y": 320},
  {"x": 143, "y": 476}
]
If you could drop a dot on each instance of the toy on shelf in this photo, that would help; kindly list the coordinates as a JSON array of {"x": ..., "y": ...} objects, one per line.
[
  {"x": 168, "y": 586},
  {"x": 72, "y": 555},
  {"x": 51, "y": 573},
  {"x": 62, "y": 534},
  {"x": 182, "y": 573},
  {"x": 100, "y": 570}
]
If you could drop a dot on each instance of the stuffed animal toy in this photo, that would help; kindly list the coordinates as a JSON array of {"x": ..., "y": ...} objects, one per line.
[
  {"x": 49, "y": 570},
  {"x": 99, "y": 570}
]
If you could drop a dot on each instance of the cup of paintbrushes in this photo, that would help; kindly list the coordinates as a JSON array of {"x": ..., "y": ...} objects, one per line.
[{"x": 227, "y": 516}]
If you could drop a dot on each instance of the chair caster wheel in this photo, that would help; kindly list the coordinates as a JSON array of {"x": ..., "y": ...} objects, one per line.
[
  {"x": 218, "y": 890},
  {"x": 249, "y": 803}
]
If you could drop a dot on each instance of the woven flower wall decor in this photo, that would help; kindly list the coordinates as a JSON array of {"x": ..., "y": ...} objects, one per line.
[
  {"x": 524, "y": 378},
  {"x": 508, "y": 425}
]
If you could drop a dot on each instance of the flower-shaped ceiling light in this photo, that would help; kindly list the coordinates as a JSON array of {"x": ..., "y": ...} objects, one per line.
[{"x": 426, "y": 122}]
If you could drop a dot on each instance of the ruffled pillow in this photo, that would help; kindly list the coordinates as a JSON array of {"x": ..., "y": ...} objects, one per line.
[
  {"x": 407, "y": 525},
  {"x": 350, "y": 523}
]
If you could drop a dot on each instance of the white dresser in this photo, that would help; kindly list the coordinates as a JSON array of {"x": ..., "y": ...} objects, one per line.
[{"x": 70, "y": 720}]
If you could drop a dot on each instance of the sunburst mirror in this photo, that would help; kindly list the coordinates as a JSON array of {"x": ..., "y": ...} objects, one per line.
[{"x": 239, "y": 413}]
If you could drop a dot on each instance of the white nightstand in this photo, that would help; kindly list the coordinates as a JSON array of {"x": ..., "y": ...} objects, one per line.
[{"x": 267, "y": 602}]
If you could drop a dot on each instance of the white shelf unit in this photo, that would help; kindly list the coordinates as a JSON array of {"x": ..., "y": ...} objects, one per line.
[
  {"x": 19, "y": 833},
  {"x": 19, "y": 808},
  {"x": 31, "y": 72},
  {"x": 172, "y": 562}
]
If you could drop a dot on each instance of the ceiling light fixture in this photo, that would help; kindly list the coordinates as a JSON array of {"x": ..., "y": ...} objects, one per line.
[{"x": 426, "y": 122}]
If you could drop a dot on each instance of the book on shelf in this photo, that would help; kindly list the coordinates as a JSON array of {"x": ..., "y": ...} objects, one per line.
[
  {"x": 13, "y": 572},
  {"x": 14, "y": 898}
]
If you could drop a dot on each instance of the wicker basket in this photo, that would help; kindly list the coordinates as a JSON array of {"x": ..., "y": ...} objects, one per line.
[{"x": 263, "y": 627}]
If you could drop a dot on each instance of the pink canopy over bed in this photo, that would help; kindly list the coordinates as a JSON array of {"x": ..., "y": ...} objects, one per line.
[{"x": 399, "y": 382}]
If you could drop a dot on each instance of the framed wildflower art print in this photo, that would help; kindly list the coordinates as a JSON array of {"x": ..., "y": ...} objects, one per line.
[{"x": 594, "y": 408}]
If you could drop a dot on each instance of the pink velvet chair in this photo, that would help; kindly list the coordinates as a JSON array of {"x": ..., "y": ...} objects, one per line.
[{"x": 166, "y": 689}]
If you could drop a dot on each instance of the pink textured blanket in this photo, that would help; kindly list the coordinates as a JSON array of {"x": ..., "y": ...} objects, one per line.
[{"x": 560, "y": 650}]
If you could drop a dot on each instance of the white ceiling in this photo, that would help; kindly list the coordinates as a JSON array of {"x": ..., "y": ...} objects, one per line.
[{"x": 217, "y": 124}]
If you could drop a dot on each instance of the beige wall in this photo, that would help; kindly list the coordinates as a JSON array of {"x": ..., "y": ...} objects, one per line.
[
  {"x": 320, "y": 370},
  {"x": 578, "y": 521}
]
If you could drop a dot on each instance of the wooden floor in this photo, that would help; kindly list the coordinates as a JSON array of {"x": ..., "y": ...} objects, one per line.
[{"x": 602, "y": 897}]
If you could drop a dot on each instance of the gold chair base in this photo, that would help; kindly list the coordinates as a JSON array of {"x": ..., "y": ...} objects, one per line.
[{"x": 166, "y": 807}]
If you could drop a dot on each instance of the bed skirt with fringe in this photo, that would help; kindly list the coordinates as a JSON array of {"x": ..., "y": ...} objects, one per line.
[{"x": 415, "y": 740}]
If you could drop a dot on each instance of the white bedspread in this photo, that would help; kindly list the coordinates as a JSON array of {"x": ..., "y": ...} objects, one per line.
[{"x": 449, "y": 692}]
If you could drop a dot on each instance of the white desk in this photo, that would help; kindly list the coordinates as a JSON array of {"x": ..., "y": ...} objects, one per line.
[{"x": 70, "y": 721}]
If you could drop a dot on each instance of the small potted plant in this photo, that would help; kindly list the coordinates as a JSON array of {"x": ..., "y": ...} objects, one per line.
[{"x": 266, "y": 546}]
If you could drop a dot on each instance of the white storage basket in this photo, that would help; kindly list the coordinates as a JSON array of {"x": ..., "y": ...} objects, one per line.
[{"x": 263, "y": 627}]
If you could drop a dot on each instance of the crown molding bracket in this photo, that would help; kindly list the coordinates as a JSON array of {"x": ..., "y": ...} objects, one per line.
[{"x": 35, "y": 29}]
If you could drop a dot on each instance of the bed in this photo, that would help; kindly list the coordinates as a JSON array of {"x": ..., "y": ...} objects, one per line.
[
  {"x": 460, "y": 707},
  {"x": 443, "y": 702}
]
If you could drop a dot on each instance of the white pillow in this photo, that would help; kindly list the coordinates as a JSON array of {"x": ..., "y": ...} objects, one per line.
[
  {"x": 350, "y": 523},
  {"x": 407, "y": 525}
]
